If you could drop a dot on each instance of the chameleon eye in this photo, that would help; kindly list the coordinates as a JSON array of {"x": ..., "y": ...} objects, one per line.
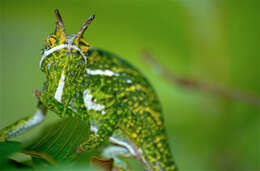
[{"x": 50, "y": 42}]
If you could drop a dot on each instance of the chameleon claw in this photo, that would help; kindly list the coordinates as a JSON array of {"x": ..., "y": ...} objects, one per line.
[
  {"x": 91, "y": 143},
  {"x": 79, "y": 150},
  {"x": 37, "y": 93}
]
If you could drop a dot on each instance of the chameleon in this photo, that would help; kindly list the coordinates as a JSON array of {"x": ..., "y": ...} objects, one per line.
[{"x": 106, "y": 92}]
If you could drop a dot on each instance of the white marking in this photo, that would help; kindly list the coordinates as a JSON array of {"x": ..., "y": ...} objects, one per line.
[
  {"x": 115, "y": 141},
  {"x": 92, "y": 105},
  {"x": 72, "y": 107},
  {"x": 37, "y": 118},
  {"x": 140, "y": 156},
  {"x": 62, "y": 46},
  {"x": 59, "y": 90},
  {"x": 49, "y": 65},
  {"x": 124, "y": 144},
  {"x": 129, "y": 81},
  {"x": 115, "y": 152},
  {"x": 93, "y": 129},
  {"x": 101, "y": 72}
]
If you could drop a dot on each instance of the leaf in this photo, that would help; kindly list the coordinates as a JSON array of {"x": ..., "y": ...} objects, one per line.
[
  {"x": 68, "y": 168},
  {"x": 7, "y": 149},
  {"x": 106, "y": 164},
  {"x": 58, "y": 144}
]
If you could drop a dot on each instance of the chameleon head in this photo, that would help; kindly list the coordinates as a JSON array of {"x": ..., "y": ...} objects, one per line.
[{"x": 64, "y": 56}]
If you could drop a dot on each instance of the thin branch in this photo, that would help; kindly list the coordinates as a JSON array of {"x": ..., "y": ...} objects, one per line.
[{"x": 197, "y": 84}]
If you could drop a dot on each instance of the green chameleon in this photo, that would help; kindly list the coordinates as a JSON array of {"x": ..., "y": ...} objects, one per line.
[{"x": 106, "y": 92}]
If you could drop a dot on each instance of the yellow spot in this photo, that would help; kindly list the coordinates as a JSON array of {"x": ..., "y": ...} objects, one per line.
[
  {"x": 152, "y": 159},
  {"x": 134, "y": 135},
  {"x": 127, "y": 70},
  {"x": 55, "y": 56},
  {"x": 60, "y": 35},
  {"x": 94, "y": 54},
  {"x": 114, "y": 68},
  {"x": 173, "y": 167},
  {"x": 52, "y": 40},
  {"x": 111, "y": 121},
  {"x": 74, "y": 51},
  {"x": 138, "y": 86},
  {"x": 132, "y": 88},
  {"x": 155, "y": 115},
  {"x": 121, "y": 94},
  {"x": 135, "y": 110},
  {"x": 138, "y": 129},
  {"x": 163, "y": 165},
  {"x": 119, "y": 112},
  {"x": 114, "y": 60},
  {"x": 84, "y": 49}
]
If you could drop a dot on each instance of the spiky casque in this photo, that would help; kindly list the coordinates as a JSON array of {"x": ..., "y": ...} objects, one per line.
[{"x": 105, "y": 91}]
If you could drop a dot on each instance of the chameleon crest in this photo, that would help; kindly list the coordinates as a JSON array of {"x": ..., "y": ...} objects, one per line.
[{"x": 106, "y": 92}]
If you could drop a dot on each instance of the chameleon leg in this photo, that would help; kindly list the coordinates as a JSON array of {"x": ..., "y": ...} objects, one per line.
[
  {"x": 106, "y": 129},
  {"x": 117, "y": 153},
  {"x": 60, "y": 109},
  {"x": 23, "y": 124}
]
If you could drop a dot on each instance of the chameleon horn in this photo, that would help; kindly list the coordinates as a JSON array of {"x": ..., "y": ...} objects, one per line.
[
  {"x": 59, "y": 22},
  {"x": 85, "y": 26}
]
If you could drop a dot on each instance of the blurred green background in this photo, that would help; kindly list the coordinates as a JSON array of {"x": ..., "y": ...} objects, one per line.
[{"x": 216, "y": 41}]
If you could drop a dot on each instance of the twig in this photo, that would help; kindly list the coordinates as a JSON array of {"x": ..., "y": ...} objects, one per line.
[{"x": 196, "y": 84}]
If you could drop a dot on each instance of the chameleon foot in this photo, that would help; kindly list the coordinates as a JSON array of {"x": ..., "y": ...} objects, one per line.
[
  {"x": 79, "y": 150},
  {"x": 91, "y": 143}
]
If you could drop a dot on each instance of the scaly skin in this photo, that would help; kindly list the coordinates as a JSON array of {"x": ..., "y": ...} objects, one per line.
[
  {"x": 108, "y": 93},
  {"x": 138, "y": 112}
]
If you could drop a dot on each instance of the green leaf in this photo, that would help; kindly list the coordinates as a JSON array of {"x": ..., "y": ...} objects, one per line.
[
  {"x": 58, "y": 144},
  {"x": 68, "y": 168},
  {"x": 6, "y": 149}
]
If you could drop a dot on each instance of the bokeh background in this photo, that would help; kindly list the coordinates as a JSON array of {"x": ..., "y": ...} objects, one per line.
[{"x": 214, "y": 41}]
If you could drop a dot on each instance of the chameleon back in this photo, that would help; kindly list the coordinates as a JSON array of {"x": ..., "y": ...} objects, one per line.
[{"x": 114, "y": 85}]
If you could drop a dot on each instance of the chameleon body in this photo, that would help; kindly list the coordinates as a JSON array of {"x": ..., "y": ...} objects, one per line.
[{"x": 105, "y": 91}]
